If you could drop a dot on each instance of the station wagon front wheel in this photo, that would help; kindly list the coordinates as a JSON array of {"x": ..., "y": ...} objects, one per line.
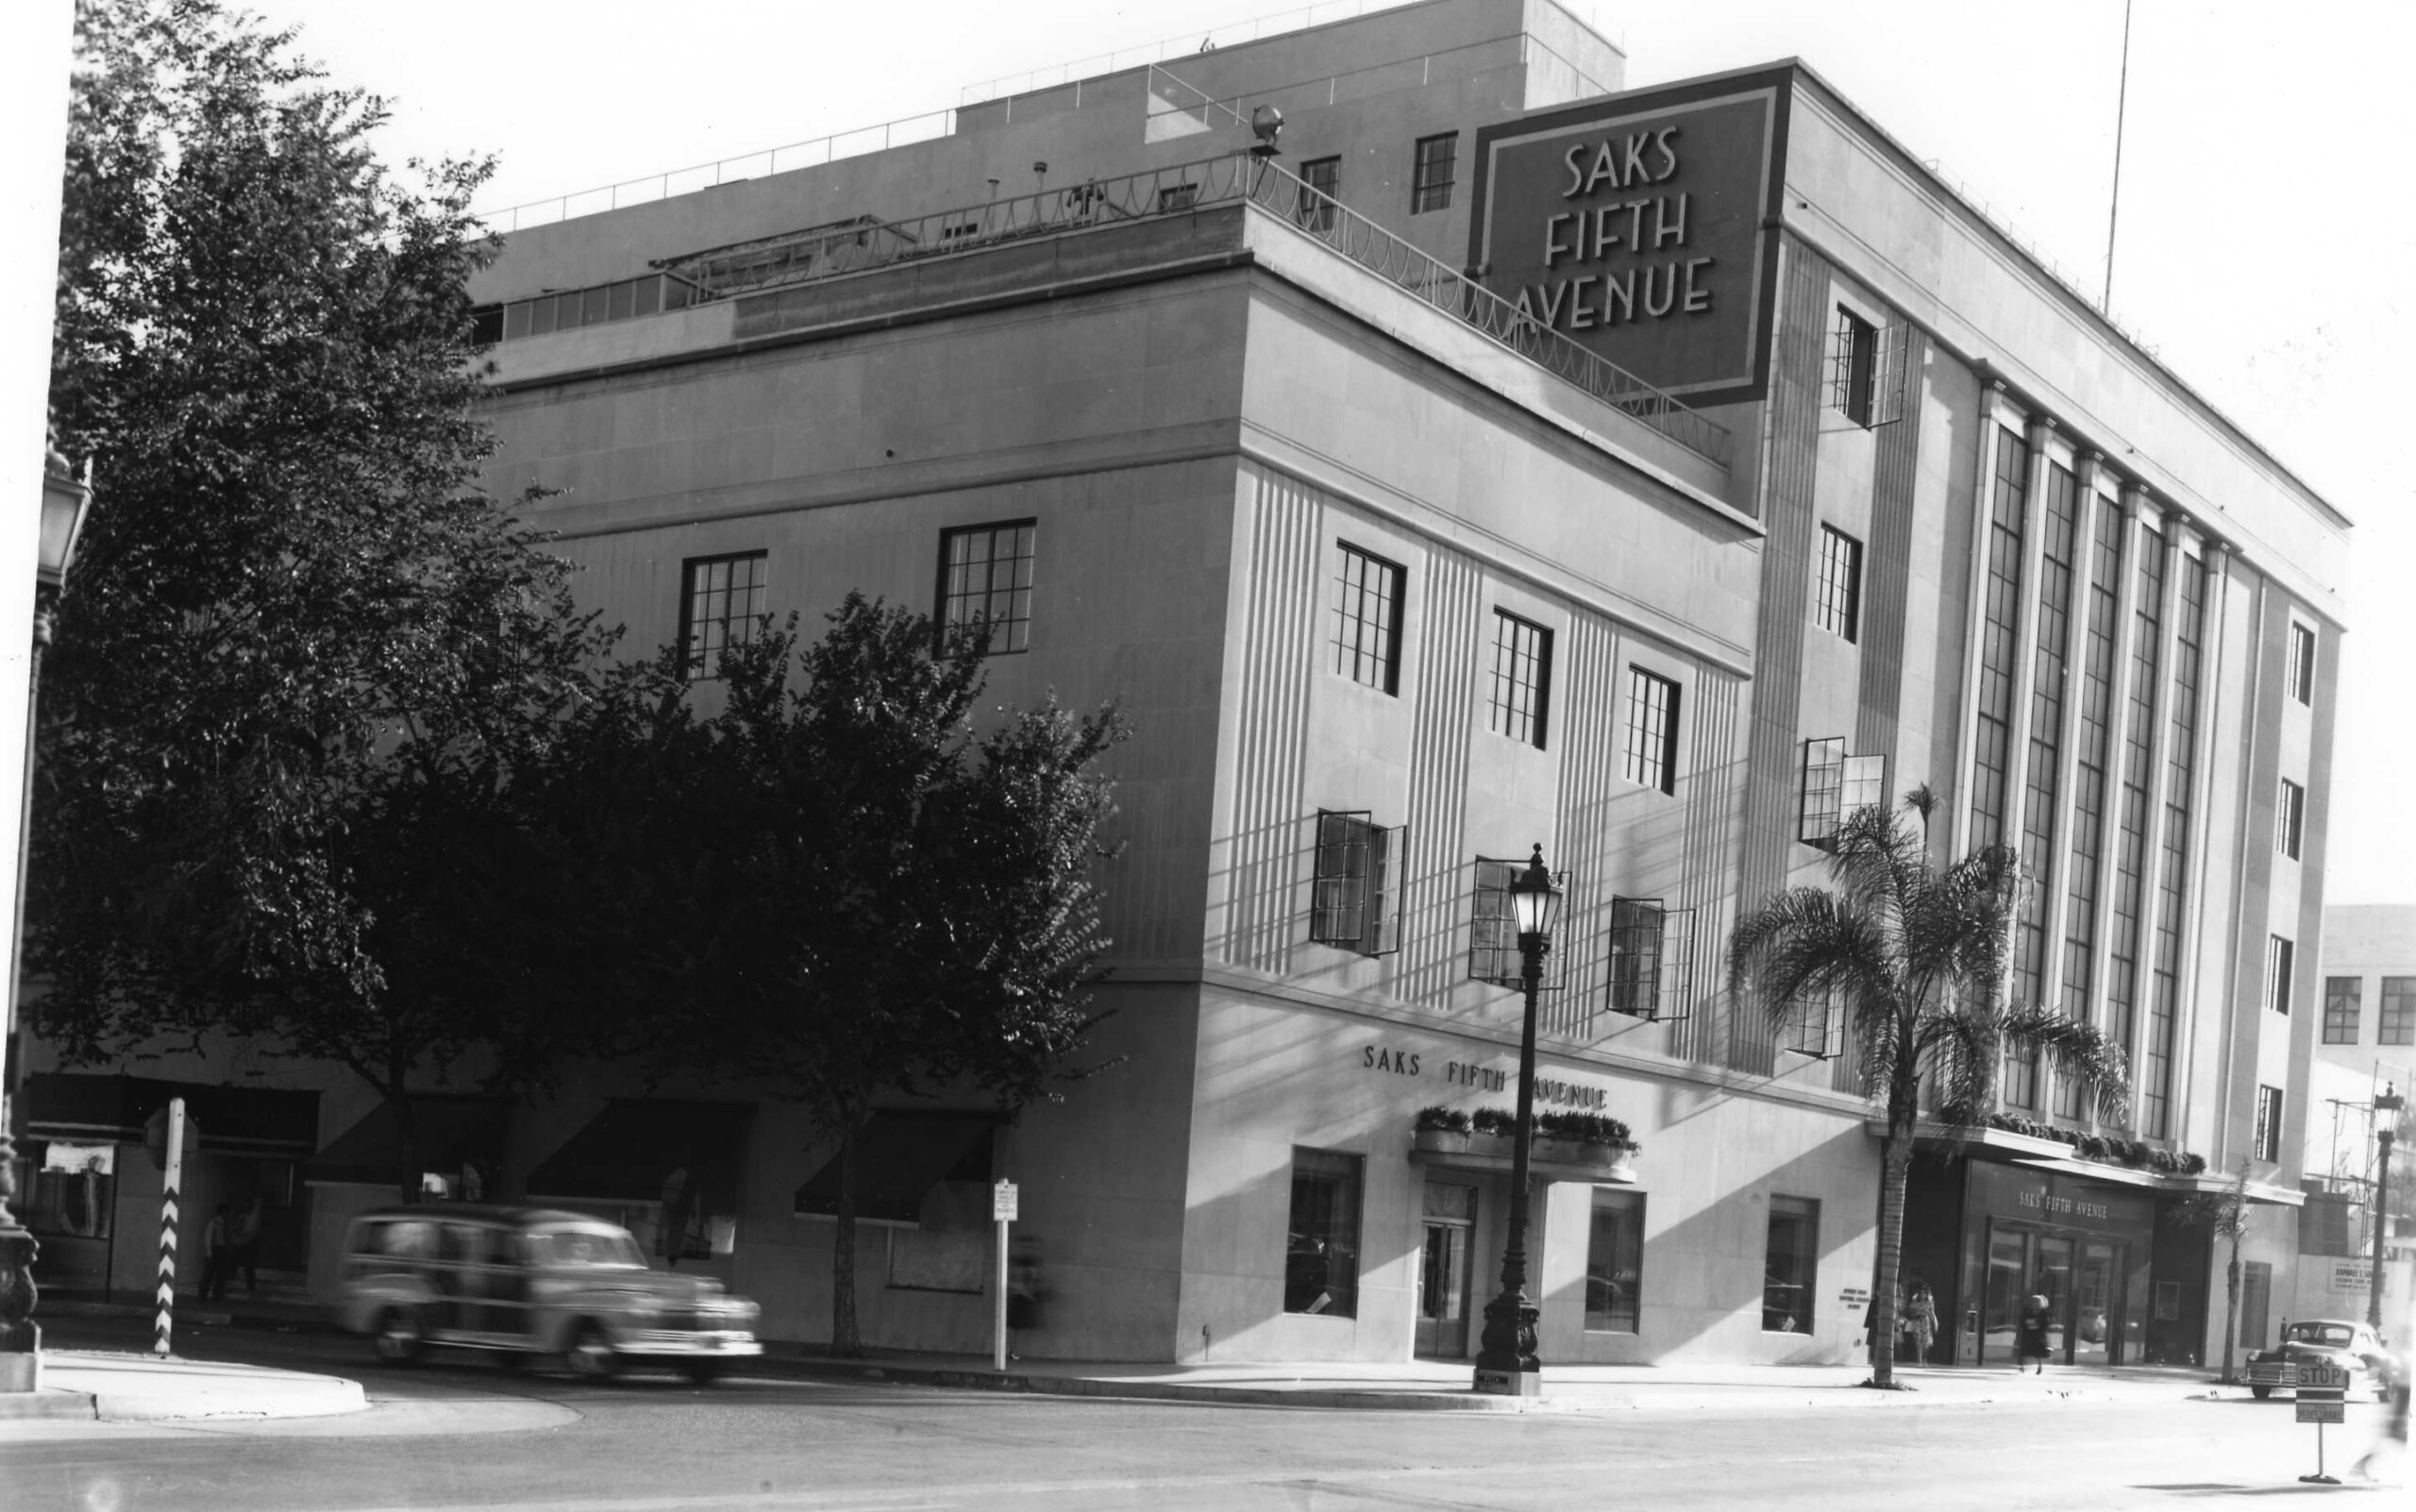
[
  {"x": 2260, "y": 1393},
  {"x": 399, "y": 1337},
  {"x": 591, "y": 1353}
]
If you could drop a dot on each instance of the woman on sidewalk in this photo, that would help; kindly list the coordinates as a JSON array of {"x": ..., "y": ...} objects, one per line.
[
  {"x": 2030, "y": 1334},
  {"x": 1921, "y": 1319}
]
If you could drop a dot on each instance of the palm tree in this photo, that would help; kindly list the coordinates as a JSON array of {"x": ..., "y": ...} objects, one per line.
[{"x": 1918, "y": 959}]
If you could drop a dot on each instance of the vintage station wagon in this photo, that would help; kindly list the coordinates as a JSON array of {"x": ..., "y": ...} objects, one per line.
[
  {"x": 2352, "y": 1345},
  {"x": 519, "y": 1281}
]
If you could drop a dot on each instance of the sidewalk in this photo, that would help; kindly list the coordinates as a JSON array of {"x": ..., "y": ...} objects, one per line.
[{"x": 79, "y": 1384}]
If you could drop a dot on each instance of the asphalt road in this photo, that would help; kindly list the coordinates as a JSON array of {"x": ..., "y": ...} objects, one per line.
[{"x": 467, "y": 1435}]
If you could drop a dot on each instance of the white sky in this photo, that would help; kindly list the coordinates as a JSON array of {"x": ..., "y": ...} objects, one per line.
[{"x": 2262, "y": 221}]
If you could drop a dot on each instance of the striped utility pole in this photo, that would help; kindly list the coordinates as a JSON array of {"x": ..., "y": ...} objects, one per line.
[{"x": 167, "y": 1321}]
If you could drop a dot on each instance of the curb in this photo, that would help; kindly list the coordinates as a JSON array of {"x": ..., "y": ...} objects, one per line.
[
  {"x": 50, "y": 1402},
  {"x": 1028, "y": 1383}
]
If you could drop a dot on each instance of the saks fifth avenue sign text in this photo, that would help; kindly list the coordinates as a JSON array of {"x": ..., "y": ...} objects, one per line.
[
  {"x": 1484, "y": 1077},
  {"x": 1619, "y": 252}
]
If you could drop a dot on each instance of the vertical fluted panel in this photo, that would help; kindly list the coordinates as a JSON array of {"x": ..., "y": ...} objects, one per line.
[
  {"x": 1713, "y": 793},
  {"x": 1888, "y": 567},
  {"x": 1434, "y": 891},
  {"x": 1279, "y": 658},
  {"x": 1586, "y": 845}
]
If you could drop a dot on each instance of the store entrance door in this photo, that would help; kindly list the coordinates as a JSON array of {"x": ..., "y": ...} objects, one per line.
[
  {"x": 1443, "y": 1272},
  {"x": 2097, "y": 1305}
]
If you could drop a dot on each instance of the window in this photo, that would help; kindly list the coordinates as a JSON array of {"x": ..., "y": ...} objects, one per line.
[
  {"x": 1836, "y": 599},
  {"x": 1817, "y": 1026},
  {"x": 986, "y": 583},
  {"x": 1322, "y": 1249},
  {"x": 1522, "y": 678},
  {"x": 1352, "y": 903},
  {"x": 1789, "y": 1262},
  {"x": 1431, "y": 186},
  {"x": 1652, "y": 758},
  {"x": 2269, "y": 1123},
  {"x": 2342, "y": 1009},
  {"x": 2278, "y": 974},
  {"x": 1837, "y": 786},
  {"x": 2290, "y": 818},
  {"x": 1178, "y": 197},
  {"x": 2396, "y": 1023},
  {"x": 1366, "y": 621},
  {"x": 1493, "y": 928},
  {"x": 1614, "y": 1262},
  {"x": 2302, "y": 669},
  {"x": 65, "y": 1189},
  {"x": 1321, "y": 185},
  {"x": 1854, "y": 362},
  {"x": 721, "y": 598},
  {"x": 1651, "y": 959}
]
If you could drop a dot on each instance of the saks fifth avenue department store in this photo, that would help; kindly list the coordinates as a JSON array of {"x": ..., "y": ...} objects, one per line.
[{"x": 1515, "y": 459}]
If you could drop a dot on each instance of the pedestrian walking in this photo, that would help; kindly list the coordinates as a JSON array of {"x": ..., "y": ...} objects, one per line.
[
  {"x": 246, "y": 1256},
  {"x": 1921, "y": 1319},
  {"x": 217, "y": 1256},
  {"x": 2030, "y": 1334}
]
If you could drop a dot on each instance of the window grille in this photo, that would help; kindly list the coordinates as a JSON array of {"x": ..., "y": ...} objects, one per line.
[
  {"x": 1437, "y": 159},
  {"x": 1366, "y": 620},
  {"x": 2342, "y": 1008},
  {"x": 2302, "y": 668},
  {"x": 2290, "y": 819},
  {"x": 721, "y": 598},
  {"x": 1835, "y": 787},
  {"x": 1493, "y": 929},
  {"x": 2269, "y": 1123},
  {"x": 1868, "y": 370},
  {"x": 1652, "y": 755},
  {"x": 2278, "y": 952},
  {"x": 1836, "y": 599},
  {"x": 985, "y": 582},
  {"x": 1817, "y": 1026},
  {"x": 1521, "y": 694},
  {"x": 1652, "y": 968},
  {"x": 1320, "y": 186},
  {"x": 2396, "y": 1022},
  {"x": 1352, "y": 903}
]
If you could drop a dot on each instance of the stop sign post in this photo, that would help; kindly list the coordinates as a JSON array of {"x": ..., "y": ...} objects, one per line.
[{"x": 2322, "y": 1390}]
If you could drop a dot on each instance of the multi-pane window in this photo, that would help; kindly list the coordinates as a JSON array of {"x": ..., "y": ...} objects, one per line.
[
  {"x": 2278, "y": 952},
  {"x": 1614, "y": 1262},
  {"x": 1321, "y": 185},
  {"x": 721, "y": 599},
  {"x": 2290, "y": 818},
  {"x": 1836, "y": 786},
  {"x": 1636, "y": 956},
  {"x": 1790, "y": 1262},
  {"x": 2050, "y": 659},
  {"x": 1652, "y": 756},
  {"x": 2343, "y": 1006},
  {"x": 1351, "y": 901},
  {"x": 2396, "y": 1023},
  {"x": 985, "y": 582},
  {"x": 1437, "y": 160},
  {"x": 2302, "y": 668},
  {"x": 2083, "y": 871},
  {"x": 1366, "y": 620},
  {"x": 2172, "y": 864},
  {"x": 2269, "y": 1123},
  {"x": 1522, "y": 678},
  {"x": 1321, "y": 1244},
  {"x": 1854, "y": 367},
  {"x": 1816, "y": 1025},
  {"x": 1999, "y": 643},
  {"x": 1836, "y": 595},
  {"x": 2138, "y": 766},
  {"x": 1493, "y": 929}
]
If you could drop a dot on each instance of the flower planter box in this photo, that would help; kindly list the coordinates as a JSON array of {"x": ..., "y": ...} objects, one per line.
[
  {"x": 1612, "y": 1160},
  {"x": 1442, "y": 1141}
]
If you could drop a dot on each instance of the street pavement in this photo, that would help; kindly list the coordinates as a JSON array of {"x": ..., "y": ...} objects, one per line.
[{"x": 460, "y": 1434}]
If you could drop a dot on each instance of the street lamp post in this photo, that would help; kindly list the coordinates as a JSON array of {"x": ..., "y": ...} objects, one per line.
[
  {"x": 2387, "y": 1106},
  {"x": 64, "y": 500},
  {"x": 1505, "y": 1361}
]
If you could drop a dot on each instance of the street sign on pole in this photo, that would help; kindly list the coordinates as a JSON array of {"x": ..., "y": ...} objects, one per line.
[
  {"x": 1003, "y": 1207},
  {"x": 2323, "y": 1388}
]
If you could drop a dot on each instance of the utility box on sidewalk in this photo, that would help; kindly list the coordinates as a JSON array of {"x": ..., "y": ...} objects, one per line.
[{"x": 1967, "y": 1338}]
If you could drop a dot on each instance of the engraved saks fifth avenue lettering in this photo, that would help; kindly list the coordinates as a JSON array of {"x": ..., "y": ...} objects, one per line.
[{"x": 1619, "y": 232}]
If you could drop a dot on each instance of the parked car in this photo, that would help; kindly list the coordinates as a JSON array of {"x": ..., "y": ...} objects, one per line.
[
  {"x": 524, "y": 1280},
  {"x": 2354, "y": 1347}
]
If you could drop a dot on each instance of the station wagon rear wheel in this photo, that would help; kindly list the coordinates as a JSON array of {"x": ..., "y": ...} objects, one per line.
[
  {"x": 591, "y": 1353},
  {"x": 704, "y": 1373},
  {"x": 2260, "y": 1393},
  {"x": 399, "y": 1337}
]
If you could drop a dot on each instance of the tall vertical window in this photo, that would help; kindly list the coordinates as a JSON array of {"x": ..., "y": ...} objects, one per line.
[
  {"x": 1652, "y": 758},
  {"x": 1324, "y": 176},
  {"x": 2138, "y": 766},
  {"x": 1437, "y": 161},
  {"x": 2093, "y": 734},
  {"x": 1366, "y": 621},
  {"x": 2278, "y": 953},
  {"x": 986, "y": 582},
  {"x": 2290, "y": 818},
  {"x": 2172, "y": 864},
  {"x": 1790, "y": 1264},
  {"x": 2269, "y": 1123},
  {"x": 2342, "y": 1008},
  {"x": 1999, "y": 643},
  {"x": 1522, "y": 678},
  {"x": 1321, "y": 1245},
  {"x": 2041, "y": 789},
  {"x": 1614, "y": 1262},
  {"x": 1854, "y": 367},
  {"x": 721, "y": 598},
  {"x": 2396, "y": 1023},
  {"x": 2302, "y": 668},
  {"x": 1837, "y": 598}
]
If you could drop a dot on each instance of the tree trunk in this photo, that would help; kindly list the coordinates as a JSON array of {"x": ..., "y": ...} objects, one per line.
[
  {"x": 844, "y": 1339},
  {"x": 2231, "y": 1311},
  {"x": 1895, "y": 1163}
]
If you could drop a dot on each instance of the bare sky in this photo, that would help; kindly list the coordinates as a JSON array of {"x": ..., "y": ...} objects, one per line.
[{"x": 2262, "y": 224}]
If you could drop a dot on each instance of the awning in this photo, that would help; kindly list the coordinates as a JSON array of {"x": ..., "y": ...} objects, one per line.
[
  {"x": 103, "y": 1109},
  {"x": 630, "y": 1151},
  {"x": 899, "y": 1157},
  {"x": 452, "y": 1129}
]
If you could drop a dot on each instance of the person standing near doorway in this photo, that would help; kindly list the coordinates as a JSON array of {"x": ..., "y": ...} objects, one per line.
[
  {"x": 1921, "y": 1319},
  {"x": 216, "y": 1257},
  {"x": 247, "y": 1249},
  {"x": 2030, "y": 1334}
]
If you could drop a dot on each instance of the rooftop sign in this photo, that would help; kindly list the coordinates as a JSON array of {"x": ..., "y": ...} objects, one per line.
[{"x": 1643, "y": 227}]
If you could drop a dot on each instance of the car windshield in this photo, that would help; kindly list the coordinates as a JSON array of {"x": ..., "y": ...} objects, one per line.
[
  {"x": 2331, "y": 1336},
  {"x": 592, "y": 1247}
]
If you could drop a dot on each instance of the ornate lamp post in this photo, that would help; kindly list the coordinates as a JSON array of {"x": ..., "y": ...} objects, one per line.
[
  {"x": 64, "y": 500},
  {"x": 1505, "y": 1361},
  {"x": 2387, "y": 1106}
]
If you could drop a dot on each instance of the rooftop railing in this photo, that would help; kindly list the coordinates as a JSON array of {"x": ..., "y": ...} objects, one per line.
[{"x": 826, "y": 252}]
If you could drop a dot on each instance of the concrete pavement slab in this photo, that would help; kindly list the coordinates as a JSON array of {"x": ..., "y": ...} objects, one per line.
[{"x": 128, "y": 1387}]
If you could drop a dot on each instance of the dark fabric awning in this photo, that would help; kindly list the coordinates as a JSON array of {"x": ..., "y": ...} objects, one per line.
[
  {"x": 105, "y": 1109},
  {"x": 899, "y": 1157},
  {"x": 451, "y": 1129},
  {"x": 630, "y": 1151}
]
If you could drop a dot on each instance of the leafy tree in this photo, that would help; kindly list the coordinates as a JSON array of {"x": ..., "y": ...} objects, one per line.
[
  {"x": 301, "y": 656},
  {"x": 838, "y": 886},
  {"x": 1917, "y": 956}
]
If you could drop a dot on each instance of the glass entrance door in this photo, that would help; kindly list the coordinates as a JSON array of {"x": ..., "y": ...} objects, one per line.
[
  {"x": 2097, "y": 1303},
  {"x": 2051, "y": 1276},
  {"x": 1443, "y": 1272},
  {"x": 2008, "y": 1265}
]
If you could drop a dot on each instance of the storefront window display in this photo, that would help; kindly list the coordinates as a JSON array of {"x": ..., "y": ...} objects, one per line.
[
  {"x": 1615, "y": 1262},
  {"x": 1789, "y": 1263},
  {"x": 1322, "y": 1249}
]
